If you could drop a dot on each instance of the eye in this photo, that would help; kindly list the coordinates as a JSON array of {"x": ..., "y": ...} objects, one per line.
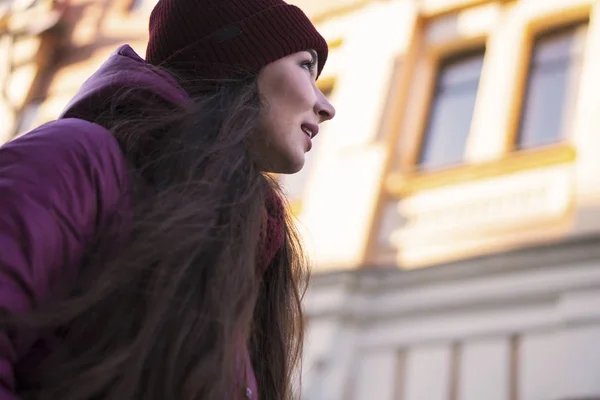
[{"x": 309, "y": 64}]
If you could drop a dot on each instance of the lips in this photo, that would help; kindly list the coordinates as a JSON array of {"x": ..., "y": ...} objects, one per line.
[
  {"x": 311, "y": 130},
  {"x": 307, "y": 132}
]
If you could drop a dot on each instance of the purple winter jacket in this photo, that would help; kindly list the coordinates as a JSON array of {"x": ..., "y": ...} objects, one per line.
[{"x": 58, "y": 183}]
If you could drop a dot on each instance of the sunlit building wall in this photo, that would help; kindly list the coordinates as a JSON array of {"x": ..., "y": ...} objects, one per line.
[
  {"x": 49, "y": 48},
  {"x": 452, "y": 208},
  {"x": 29, "y": 32}
]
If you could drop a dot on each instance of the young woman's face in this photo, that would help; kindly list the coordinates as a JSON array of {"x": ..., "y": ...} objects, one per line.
[{"x": 294, "y": 109}]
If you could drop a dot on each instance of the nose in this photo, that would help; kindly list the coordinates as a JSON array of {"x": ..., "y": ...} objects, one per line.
[{"x": 324, "y": 109}]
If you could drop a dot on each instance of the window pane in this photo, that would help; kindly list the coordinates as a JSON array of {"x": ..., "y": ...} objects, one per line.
[
  {"x": 552, "y": 87},
  {"x": 560, "y": 44},
  {"x": 451, "y": 112},
  {"x": 463, "y": 70},
  {"x": 553, "y": 48},
  {"x": 543, "y": 119}
]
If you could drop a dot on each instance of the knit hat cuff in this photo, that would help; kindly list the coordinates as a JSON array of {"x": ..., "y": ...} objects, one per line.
[{"x": 265, "y": 37}]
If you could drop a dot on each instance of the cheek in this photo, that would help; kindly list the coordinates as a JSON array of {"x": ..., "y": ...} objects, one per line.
[
  {"x": 290, "y": 96},
  {"x": 278, "y": 119},
  {"x": 292, "y": 92},
  {"x": 274, "y": 132},
  {"x": 273, "y": 122}
]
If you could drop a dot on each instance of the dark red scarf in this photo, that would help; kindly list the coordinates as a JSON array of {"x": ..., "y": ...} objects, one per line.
[{"x": 273, "y": 233}]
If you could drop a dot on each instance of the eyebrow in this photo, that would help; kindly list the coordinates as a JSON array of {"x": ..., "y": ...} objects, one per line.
[{"x": 314, "y": 54}]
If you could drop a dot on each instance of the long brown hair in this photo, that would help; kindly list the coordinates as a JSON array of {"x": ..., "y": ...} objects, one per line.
[{"x": 171, "y": 286}]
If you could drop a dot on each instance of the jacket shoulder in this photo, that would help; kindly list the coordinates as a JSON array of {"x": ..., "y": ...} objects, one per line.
[
  {"x": 57, "y": 184},
  {"x": 68, "y": 149},
  {"x": 73, "y": 167}
]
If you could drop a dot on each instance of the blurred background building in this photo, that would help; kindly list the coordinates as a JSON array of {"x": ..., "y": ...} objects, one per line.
[{"x": 451, "y": 209}]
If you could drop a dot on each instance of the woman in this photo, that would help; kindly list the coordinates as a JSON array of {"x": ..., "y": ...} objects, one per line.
[{"x": 144, "y": 254}]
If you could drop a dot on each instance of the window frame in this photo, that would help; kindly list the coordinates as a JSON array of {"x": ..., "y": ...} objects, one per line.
[
  {"x": 571, "y": 86},
  {"x": 401, "y": 167},
  {"x": 441, "y": 60},
  {"x": 533, "y": 30},
  {"x": 537, "y": 37},
  {"x": 421, "y": 83},
  {"x": 441, "y": 8},
  {"x": 401, "y": 179}
]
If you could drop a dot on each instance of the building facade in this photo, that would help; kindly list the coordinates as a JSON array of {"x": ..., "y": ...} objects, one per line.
[
  {"x": 29, "y": 32},
  {"x": 451, "y": 210},
  {"x": 48, "y": 48}
]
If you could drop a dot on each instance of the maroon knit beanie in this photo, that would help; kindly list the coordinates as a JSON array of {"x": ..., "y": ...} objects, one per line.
[{"x": 215, "y": 39}]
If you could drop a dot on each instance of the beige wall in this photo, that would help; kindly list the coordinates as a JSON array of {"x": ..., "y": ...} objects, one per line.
[
  {"x": 340, "y": 202},
  {"x": 507, "y": 306},
  {"x": 445, "y": 221}
]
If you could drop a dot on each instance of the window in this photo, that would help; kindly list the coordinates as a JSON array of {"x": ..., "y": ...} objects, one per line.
[
  {"x": 142, "y": 5},
  {"x": 552, "y": 86},
  {"x": 451, "y": 111}
]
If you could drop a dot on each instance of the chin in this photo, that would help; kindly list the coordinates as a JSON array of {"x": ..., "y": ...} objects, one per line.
[
  {"x": 291, "y": 166},
  {"x": 286, "y": 162},
  {"x": 288, "y": 170}
]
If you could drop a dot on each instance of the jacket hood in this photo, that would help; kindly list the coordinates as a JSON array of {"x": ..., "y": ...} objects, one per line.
[{"x": 123, "y": 69}]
